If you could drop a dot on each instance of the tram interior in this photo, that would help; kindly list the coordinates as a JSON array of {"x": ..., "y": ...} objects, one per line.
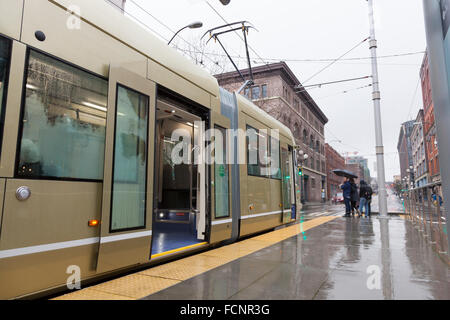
[{"x": 176, "y": 210}]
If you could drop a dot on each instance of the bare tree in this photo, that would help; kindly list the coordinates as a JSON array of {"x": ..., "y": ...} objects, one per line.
[{"x": 205, "y": 55}]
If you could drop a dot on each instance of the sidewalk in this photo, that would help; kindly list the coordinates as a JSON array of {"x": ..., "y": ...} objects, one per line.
[{"x": 342, "y": 259}]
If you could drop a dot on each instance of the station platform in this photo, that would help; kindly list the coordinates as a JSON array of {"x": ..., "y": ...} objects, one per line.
[{"x": 322, "y": 257}]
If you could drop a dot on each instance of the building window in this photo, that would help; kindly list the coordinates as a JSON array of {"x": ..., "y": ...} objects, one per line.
[
  {"x": 264, "y": 90},
  {"x": 318, "y": 165},
  {"x": 5, "y": 56},
  {"x": 311, "y": 142},
  {"x": 247, "y": 92},
  {"x": 305, "y": 137},
  {"x": 313, "y": 183},
  {"x": 297, "y": 132},
  {"x": 255, "y": 93},
  {"x": 63, "y": 124}
]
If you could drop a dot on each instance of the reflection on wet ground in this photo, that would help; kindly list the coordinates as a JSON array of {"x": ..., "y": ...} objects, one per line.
[{"x": 347, "y": 258}]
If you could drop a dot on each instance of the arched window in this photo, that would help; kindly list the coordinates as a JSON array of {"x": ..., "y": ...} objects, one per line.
[
  {"x": 311, "y": 142},
  {"x": 317, "y": 146},
  {"x": 297, "y": 131}
]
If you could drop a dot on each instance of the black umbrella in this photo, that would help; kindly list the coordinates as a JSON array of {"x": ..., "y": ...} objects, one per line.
[{"x": 344, "y": 173}]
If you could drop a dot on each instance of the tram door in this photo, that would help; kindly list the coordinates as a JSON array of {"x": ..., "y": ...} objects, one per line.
[
  {"x": 179, "y": 219},
  {"x": 126, "y": 224},
  {"x": 287, "y": 187}
]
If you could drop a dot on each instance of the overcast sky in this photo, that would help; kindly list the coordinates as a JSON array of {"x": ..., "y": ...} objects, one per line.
[{"x": 322, "y": 29}]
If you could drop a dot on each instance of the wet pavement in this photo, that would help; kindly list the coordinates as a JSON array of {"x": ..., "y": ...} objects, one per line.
[
  {"x": 394, "y": 204},
  {"x": 346, "y": 258}
]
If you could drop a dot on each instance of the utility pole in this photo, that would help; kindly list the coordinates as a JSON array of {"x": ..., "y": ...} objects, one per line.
[{"x": 382, "y": 196}]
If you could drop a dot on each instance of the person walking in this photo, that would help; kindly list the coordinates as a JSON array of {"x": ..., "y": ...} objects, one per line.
[
  {"x": 369, "y": 199},
  {"x": 354, "y": 197},
  {"x": 364, "y": 196},
  {"x": 347, "y": 192}
]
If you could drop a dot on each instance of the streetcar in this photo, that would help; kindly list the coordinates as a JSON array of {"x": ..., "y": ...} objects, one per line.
[{"x": 88, "y": 112}]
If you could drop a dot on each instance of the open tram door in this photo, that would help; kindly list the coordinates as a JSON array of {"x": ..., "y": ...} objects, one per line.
[
  {"x": 179, "y": 214},
  {"x": 126, "y": 223}
]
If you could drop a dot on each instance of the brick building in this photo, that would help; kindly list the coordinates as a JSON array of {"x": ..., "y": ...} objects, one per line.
[
  {"x": 431, "y": 147},
  {"x": 419, "y": 156},
  {"x": 334, "y": 161},
  {"x": 357, "y": 169},
  {"x": 275, "y": 92},
  {"x": 364, "y": 163}
]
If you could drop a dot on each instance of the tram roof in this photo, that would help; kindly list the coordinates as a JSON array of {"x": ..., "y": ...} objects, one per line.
[{"x": 113, "y": 22}]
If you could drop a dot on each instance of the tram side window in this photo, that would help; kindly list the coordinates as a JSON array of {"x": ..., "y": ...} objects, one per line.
[
  {"x": 252, "y": 152},
  {"x": 129, "y": 188},
  {"x": 221, "y": 181},
  {"x": 275, "y": 158},
  {"x": 64, "y": 120},
  {"x": 5, "y": 56}
]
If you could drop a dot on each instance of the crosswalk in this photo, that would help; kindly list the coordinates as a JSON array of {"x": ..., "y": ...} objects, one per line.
[{"x": 335, "y": 211}]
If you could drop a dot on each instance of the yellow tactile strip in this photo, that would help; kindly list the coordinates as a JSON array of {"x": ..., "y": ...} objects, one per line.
[{"x": 152, "y": 280}]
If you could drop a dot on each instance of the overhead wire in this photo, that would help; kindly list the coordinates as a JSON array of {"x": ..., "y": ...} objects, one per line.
[
  {"x": 167, "y": 27},
  {"x": 239, "y": 36},
  {"x": 326, "y": 60},
  {"x": 335, "y": 60}
]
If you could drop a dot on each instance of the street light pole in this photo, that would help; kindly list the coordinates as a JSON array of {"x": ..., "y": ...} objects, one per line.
[
  {"x": 194, "y": 25},
  {"x": 382, "y": 197}
]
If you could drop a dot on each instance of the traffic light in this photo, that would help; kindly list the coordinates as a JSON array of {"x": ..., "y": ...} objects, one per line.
[{"x": 300, "y": 171}]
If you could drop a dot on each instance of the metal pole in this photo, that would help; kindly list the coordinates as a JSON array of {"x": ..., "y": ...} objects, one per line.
[
  {"x": 176, "y": 34},
  {"x": 382, "y": 196},
  {"x": 440, "y": 92}
]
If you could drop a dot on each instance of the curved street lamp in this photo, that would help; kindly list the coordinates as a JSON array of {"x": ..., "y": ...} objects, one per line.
[{"x": 194, "y": 25}]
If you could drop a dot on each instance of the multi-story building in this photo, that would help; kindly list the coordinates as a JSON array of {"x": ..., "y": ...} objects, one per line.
[
  {"x": 405, "y": 151},
  {"x": 275, "y": 90},
  {"x": 358, "y": 169},
  {"x": 365, "y": 164},
  {"x": 420, "y": 166},
  {"x": 334, "y": 161},
  {"x": 429, "y": 126}
]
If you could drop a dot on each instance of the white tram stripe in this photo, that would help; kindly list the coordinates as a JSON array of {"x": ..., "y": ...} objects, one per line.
[
  {"x": 69, "y": 244},
  {"x": 259, "y": 215},
  {"x": 221, "y": 221},
  {"x": 126, "y": 236},
  {"x": 46, "y": 247}
]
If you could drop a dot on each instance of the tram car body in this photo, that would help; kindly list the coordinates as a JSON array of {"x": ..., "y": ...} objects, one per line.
[{"x": 88, "y": 110}]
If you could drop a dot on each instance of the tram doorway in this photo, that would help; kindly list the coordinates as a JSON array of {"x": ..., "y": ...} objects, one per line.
[{"x": 179, "y": 219}]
